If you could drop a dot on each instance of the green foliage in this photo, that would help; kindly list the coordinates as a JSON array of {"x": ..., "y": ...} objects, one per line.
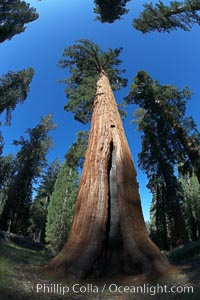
[
  {"x": 62, "y": 201},
  {"x": 85, "y": 62},
  {"x": 184, "y": 253},
  {"x": 14, "y": 88},
  {"x": 190, "y": 188},
  {"x": 164, "y": 18},
  {"x": 61, "y": 206},
  {"x": 161, "y": 215},
  {"x": 14, "y": 14},
  {"x": 109, "y": 11},
  {"x": 76, "y": 155},
  {"x": 30, "y": 160},
  {"x": 161, "y": 117},
  {"x": 8, "y": 169},
  {"x": 39, "y": 208},
  {"x": 163, "y": 108}
]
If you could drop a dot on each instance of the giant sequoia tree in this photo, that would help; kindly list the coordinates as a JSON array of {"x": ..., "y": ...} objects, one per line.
[
  {"x": 163, "y": 18},
  {"x": 157, "y": 158},
  {"x": 167, "y": 105},
  {"x": 108, "y": 231}
]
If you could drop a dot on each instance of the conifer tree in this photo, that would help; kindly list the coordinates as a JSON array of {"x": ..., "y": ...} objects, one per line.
[
  {"x": 157, "y": 159},
  {"x": 39, "y": 207},
  {"x": 163, "y": 18},
  {"x": 169, "y": 138},
  {"x": 110, "y": 11},
  {"x": 76, "y": 154},
  {"x": 108, "y": 231},
  {"x": 30, "y": 160},
  {"x": 161, "y": 215},
  {"x": 8, "y": 169},
  {"x": 14, "y": 14},
  {"x": 167, "y": 103},
  {"x": 61, "y": 207},
  {"x": 191, "y": 194},
  {"x": 14, "y": 88}
]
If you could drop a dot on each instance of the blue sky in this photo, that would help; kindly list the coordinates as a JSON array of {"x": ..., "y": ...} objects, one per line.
[{"x": 170, "y": 58}]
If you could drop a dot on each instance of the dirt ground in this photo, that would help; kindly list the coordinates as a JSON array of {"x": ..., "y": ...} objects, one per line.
[{"x": 33, "y": 283}]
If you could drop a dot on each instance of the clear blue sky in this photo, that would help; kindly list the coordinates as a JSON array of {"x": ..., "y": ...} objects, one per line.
[{"x": 170, "y": 58}]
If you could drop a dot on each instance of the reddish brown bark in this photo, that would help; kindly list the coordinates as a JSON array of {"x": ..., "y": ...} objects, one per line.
[{"x": 108, "y": 231}]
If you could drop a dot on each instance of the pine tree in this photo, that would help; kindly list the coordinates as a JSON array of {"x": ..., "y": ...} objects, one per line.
[
  {"x": 108, "y": 232},
  {"x": 14, "y": 88},
  {"x": 39, "y": 207},
  {"x": 30, "y": 160},
  {"x": 14, "y": 14},
  {"x": 109, "y": 11},
  {"x": 76, "y": 154},
  {"x": 163, "y": 18},
  {"x": 191, "y": 204},
  {"x": 61, "y": 207}
]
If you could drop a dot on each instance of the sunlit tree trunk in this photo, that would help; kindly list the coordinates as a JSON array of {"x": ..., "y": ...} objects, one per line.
[{"x": 108, "y": 232}]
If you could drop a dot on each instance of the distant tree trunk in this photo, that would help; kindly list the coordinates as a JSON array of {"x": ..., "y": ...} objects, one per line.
[
  {"x": 108, "y": 230},
  {"x": 180, "y": 232},
  {"x": 7, "y": 215}
]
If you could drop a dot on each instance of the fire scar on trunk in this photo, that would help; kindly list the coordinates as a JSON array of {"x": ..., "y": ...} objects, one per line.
[{"x": 108, "y": 233}]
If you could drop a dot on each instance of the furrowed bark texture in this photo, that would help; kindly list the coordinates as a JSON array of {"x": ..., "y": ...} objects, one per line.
[{"x": 108, "y": 232}]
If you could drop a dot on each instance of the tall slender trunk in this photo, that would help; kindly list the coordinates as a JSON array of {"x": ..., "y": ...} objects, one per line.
[
  {"x": 180, "y": 232},
  {"x": 108, "y": 208}
]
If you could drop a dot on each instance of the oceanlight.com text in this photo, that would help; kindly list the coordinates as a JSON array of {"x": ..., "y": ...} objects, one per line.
[{"x": 112, "y": 288}]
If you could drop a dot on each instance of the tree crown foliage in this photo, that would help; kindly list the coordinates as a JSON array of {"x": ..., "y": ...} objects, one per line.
[
  {"x": 109, "y": 11},
  {"x": 14, "y": 14},
  {"x": 32, "y": 155},
  {"x": 85, "y": 62},
  {"x": 162, "y": 118},
  {"x": 14, "y": 88},
  {"x": 39, "y": 208},
  {"x": 150, "y": 94},
  {"x": 164, "y": 18},
  {"x": 76, "y": 155},
  {"x": 61, "y": 206}
]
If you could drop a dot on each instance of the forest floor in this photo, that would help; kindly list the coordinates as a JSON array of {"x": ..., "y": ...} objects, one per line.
[{"x": 21, "y": 278}]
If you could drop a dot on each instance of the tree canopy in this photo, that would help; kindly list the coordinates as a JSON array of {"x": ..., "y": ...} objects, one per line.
[
  {"x": 85, "y": 62},
  {"x": 163, "y": 18},
  {"x": 14, "y": 88},
  {"x": 30, "y": 160},
  {"x": 167, "y": 104},
  {"x": 39, "y": 207},
  {"x": 109, "y": 11},
  {"x": 76, "y": 155},
  {"x": 14, "y": 14}
]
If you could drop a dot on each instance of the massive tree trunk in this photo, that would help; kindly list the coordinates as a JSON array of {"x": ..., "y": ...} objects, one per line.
[{"x": 108, "y": 232}]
